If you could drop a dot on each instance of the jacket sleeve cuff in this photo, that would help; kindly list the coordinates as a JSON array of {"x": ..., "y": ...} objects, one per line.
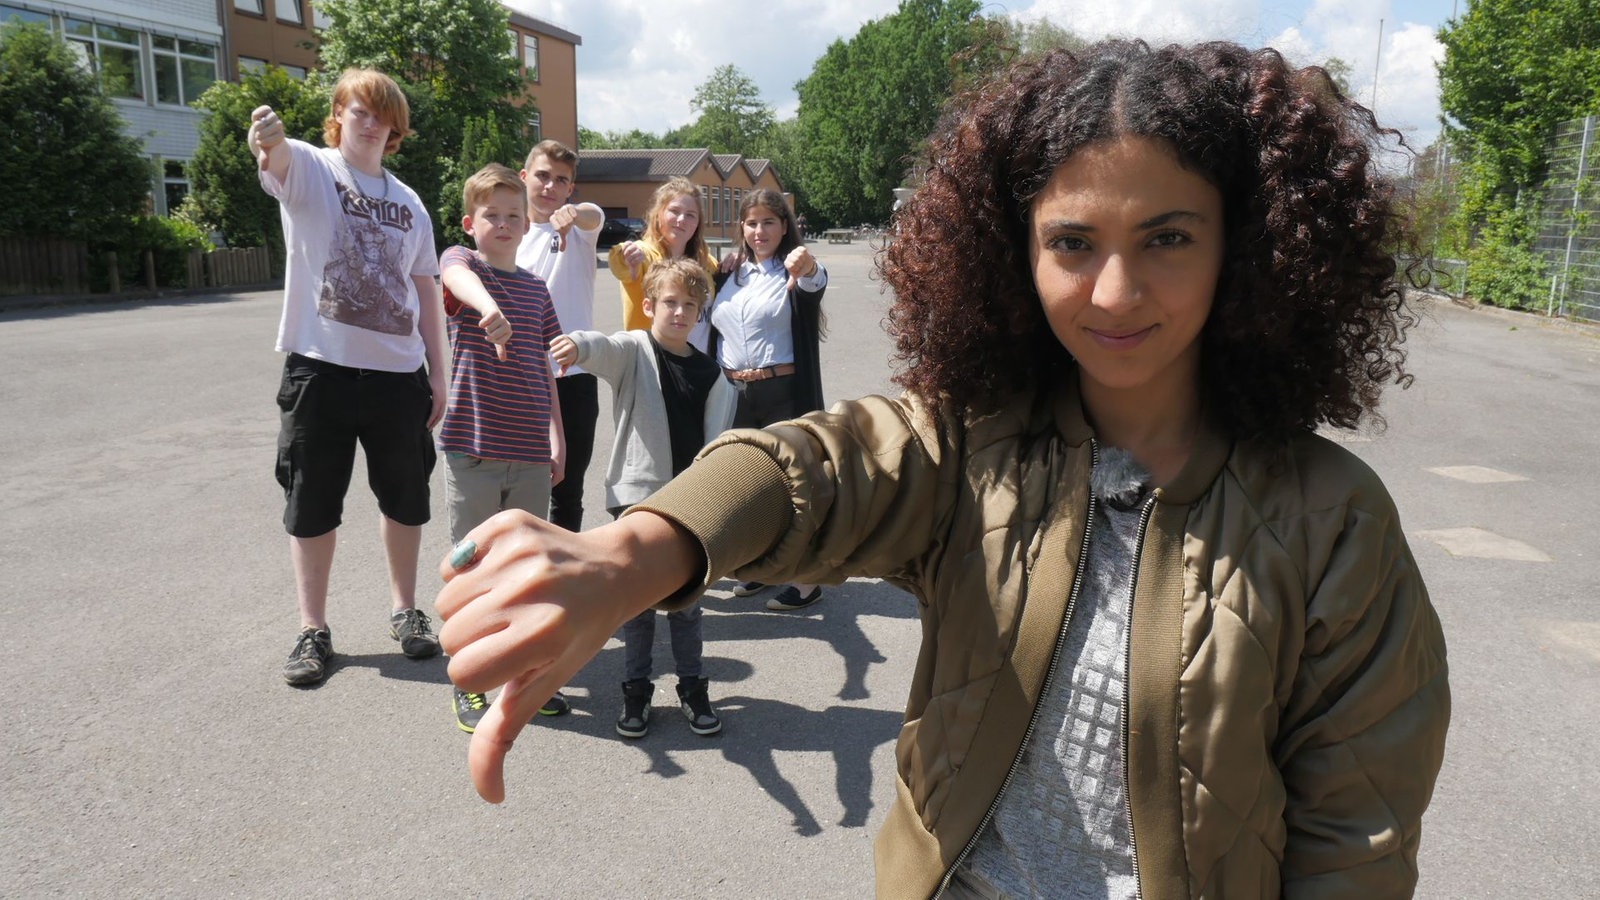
[{"x": 735, "y": 502}]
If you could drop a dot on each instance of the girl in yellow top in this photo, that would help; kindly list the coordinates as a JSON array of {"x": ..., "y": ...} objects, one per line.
[{"x": 671, "y": 230}]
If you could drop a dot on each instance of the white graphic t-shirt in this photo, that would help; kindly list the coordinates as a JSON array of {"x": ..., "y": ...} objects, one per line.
[
  {"x": 354, "y": 242},
  {"x": 569, "y": 273}
]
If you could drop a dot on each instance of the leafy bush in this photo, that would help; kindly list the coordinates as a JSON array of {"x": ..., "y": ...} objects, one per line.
[
  {"x": 1502, "y": 268},
  {"x": 169, "y": 241}
]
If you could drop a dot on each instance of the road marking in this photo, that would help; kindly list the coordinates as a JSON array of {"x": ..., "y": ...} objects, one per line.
[
  {"x": 1568, "y": 639},
  {"x": 1476, "y": 474},
  {"x": 1477, "y": 542}
]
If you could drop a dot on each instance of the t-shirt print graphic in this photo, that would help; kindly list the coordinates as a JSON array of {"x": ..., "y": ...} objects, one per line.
[{"x": 363, "y": 284}]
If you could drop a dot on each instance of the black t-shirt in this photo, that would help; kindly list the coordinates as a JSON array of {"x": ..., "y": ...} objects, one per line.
[{"x": 686, "y": 381}]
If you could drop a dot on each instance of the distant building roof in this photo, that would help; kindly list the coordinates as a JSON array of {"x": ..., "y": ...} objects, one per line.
[
  {"x": 756, "y": 167},
  {"x": 639, "y": 165},
  {"x": 540, "y": 26},
  {"x": 725, "y": 162}
]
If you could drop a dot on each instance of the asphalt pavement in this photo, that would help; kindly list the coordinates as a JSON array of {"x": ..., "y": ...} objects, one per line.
[{"x": 152, "y": 749}]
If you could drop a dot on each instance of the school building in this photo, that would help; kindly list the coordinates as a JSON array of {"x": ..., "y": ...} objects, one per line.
[
  {"x": 622, "y": 181},
  {"x": 155, "y": 57}
]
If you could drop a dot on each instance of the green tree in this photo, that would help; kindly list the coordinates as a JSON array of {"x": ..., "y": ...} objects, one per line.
[
  {"x": 482, "y": 142},
  {"x": 870, "y": 102},
  {"x": 633, "y": 139},
  {"x": 1038, "y": 37},
  {"x": 1512, "y": 71},
  {"x": 733, "y": 117},
  {"x": 225, "y": 192},
  {"x": 68, "y": 168},
  {"x": 451, "y": 60},
  {"x": 1339, "y": 72}
]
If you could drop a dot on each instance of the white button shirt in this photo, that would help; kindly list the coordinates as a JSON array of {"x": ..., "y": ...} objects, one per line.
[{"x": 754, "y": 319}]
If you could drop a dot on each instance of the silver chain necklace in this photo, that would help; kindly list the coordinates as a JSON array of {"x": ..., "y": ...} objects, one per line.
[{"x": 366, "y": 201}]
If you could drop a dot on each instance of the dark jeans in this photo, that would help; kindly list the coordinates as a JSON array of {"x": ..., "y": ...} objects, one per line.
[
  {"x": 579, "y": 396},
  {"x": 761, "y": 403},
  {"x": 639, "y": 638}
]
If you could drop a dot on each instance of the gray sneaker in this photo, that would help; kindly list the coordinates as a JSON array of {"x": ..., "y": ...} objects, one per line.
[
  {"x": 410, "y": 627},
  {"x": 308, "y": 661}
]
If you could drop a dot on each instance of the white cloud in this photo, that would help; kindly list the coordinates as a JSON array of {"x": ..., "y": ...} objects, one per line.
[{"x": 641, "y": 59}]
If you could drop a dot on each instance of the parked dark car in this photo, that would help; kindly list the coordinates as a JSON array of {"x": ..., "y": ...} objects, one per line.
[{"x": 615, "y": 231}]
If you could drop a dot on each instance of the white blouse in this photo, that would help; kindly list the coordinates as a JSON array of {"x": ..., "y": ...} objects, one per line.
[{"x": 753, "y": 317}]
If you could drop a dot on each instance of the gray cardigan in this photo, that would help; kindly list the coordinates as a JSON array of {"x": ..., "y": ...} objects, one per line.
[{"x": 641, "y": 454}]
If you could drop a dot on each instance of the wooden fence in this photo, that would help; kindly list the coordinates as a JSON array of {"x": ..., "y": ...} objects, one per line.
[
  {"x": 43, "y": 266},
  {"x": 35, "y": 267}
]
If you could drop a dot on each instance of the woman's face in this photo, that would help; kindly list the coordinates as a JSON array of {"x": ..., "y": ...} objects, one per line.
[
  {"x": 679, "y": 219},
  {"x": 1126, "y": 247},
  {"x": 763, "y": 229}
]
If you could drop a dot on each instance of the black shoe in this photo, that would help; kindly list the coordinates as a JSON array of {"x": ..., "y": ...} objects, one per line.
[
  {"x": 410, "y": 627},
  {"x": 557, "y": 705},
  {"x": 635, "y": 719},
  {"x": 308, "y": 661},
  {"x": 789, "y": 599},
  {"x": 749, "y": 589},
  {"x": 695, "y": 701},
  {"x": 469, "y": 709}
]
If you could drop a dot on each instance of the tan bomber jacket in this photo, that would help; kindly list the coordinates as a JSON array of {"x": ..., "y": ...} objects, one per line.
[{"x": 1287, "y": 699}]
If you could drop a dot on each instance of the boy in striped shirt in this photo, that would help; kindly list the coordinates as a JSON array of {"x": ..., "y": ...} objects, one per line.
[{"x": 501, "y": 437}]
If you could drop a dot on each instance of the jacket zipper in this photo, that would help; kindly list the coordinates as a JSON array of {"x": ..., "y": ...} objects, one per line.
[
  {"x": 1049, "y": 679},
  {"x": 1127, "y": 654}
]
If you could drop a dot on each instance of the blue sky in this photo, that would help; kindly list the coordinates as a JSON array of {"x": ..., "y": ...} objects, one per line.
[{"x": 641, "y": 59}]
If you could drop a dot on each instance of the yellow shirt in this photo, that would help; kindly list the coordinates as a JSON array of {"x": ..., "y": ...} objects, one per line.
[{"x": 633, "y": 317}]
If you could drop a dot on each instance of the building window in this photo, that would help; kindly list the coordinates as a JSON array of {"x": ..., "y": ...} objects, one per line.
[
  {"x": 288, "y": 11},
  {"x": 112, "y": 54},
  {"x": 705, "y": 203},
  {"x": 298, "y": 73},
  {"x": 738, "y": 195},
  {"x": 184, "y": 69},
  {"x": 9, "y": 14},
  {"x": 254, "y": 7},
  {"x": 530, "y": 56},
  {"x": 251, "y": 65},
  {"x": 515, "y": 44},
  {"x": 174, "y": 183},
  {"x": 319, "y": 19},
  {"x": 535, "y": 127}
]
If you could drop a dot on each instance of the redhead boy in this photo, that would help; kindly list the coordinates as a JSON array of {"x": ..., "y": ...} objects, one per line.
[{"x": 361, "y": 315}]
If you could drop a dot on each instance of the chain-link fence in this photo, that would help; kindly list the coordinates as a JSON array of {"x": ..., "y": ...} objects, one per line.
[{"x": 1569, "y": 222}]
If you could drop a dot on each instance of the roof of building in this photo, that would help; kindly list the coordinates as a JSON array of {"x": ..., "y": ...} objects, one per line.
[
  {"x": 540, "y": 26},
  {"x": 725, "y": 162},
  {"x": 639, "y": 165},
  {"x": 756, "y": 167}
]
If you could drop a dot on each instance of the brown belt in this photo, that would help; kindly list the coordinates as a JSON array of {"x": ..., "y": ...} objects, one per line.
[{"x": 760, "y": 374}]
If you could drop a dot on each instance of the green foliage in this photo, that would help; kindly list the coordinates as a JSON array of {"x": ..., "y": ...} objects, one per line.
[
  {"x": 482, "y": 142},
  {"x": 68, "y": 168},
  {"x": 1502, "y": 268},
  {"x": 1035, "y": 38},
  {"x": 225, "y": 194},
  {"x": 1511, "y": 72},
  {"x": 1339, "y": 73},
  {"x": 733, "y": 118},
  {"x": 450, "y": 57},
  {"x": 633, "y": 139},
  {"x": 870, "y": 102}
]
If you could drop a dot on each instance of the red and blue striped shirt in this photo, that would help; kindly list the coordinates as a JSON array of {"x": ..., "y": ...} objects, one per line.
[{"x": 500, "y": 410}]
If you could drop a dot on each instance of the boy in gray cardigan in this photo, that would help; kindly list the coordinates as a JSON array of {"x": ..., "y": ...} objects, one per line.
[{"x": 669, "y": 399}]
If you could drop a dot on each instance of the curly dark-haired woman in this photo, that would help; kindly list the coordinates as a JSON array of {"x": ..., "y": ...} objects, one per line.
[{"x": 1174, "y": 643}]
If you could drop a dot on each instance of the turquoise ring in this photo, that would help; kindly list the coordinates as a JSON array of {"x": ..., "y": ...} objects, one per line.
[{"x": 461, "y": 554}]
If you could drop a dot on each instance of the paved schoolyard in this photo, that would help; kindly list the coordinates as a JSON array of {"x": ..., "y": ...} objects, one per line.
[{"x": 152, "y": 749}]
